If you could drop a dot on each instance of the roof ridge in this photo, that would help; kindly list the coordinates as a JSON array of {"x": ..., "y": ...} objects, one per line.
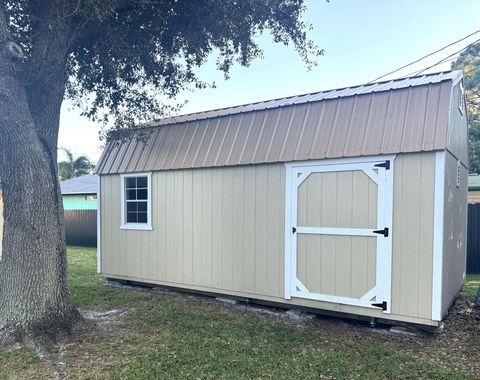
[{"x": 171, "y": 119}]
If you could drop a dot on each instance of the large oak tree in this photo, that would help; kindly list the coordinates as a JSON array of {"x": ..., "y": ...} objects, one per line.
[{"x": 118, "y": 59}]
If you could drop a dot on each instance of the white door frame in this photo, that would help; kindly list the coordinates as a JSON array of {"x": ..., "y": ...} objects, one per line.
[{"x": 296, "y": 173}]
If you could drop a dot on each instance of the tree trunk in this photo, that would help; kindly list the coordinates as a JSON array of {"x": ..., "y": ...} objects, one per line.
[{"x": 35, "y": 304}]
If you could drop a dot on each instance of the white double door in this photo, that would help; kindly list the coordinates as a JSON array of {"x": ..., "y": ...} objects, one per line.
[{"x": 339, "y": 231}]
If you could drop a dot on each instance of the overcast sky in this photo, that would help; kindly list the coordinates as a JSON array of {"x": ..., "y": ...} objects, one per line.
[{"x": 362, "y": 40}]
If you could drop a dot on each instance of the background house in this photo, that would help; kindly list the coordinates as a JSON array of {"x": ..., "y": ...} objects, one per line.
[
  {"x": 80, "y": 193},
  {"x": 473, "y": 188},
  {"x": 80, "y": 209}
]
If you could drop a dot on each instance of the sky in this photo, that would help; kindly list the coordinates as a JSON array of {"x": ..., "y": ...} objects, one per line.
[{"x": 362, "y": 40}]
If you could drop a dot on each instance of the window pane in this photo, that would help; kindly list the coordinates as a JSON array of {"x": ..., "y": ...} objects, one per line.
[
  {"x": 131, "y": 182},
  {"x": 132, "y": 217},
  {"x": 142, "y": 206},
  {"x": 142, "y": 217},
  {"x": 131, "y": 194},
  {"x": 136, "y": 199},
  {"x": 141, "y": 182},
  {"x": 142, "y": 194},
  {"x": 132, "y": 206}
]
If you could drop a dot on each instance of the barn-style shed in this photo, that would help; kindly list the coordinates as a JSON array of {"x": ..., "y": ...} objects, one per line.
[{"x": 350, "y": 200}]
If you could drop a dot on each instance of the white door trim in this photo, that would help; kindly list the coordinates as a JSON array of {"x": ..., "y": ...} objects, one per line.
[
  {"x": 99, "y": 223},
  {"x": 438, "y": 224},
  {"x": 296, "y": 173}
]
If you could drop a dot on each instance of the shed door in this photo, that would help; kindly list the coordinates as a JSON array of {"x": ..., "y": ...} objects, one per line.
[{"x": 340, "y": 232}]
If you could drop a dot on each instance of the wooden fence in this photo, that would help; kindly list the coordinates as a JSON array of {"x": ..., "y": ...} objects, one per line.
[
  {"x": 473, "y": 239},
  {"x": 81, "y": 227}
]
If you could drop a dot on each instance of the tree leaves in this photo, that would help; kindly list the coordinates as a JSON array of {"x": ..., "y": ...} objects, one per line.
[
  {"x": 128, "y": 60},
  {"x": 73, "y": 166},
  {"x": 469, "y": 62}
]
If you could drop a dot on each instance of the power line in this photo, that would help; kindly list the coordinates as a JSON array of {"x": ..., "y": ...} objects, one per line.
[
  {"x": 426, "y": 56},
  {"x": 443, "y": 60}
]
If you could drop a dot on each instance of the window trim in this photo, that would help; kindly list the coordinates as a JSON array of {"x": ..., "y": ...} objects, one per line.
[{"x": 136, "y": 226}]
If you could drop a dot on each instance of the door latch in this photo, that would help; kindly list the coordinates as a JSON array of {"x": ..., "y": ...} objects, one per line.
[{"x": 294, "y": 230}]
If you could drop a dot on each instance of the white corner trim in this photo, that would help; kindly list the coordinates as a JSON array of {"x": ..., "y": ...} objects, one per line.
[
  {"x": 136, "y": 226},
  {"x": 438, "y": 224},
  {"x": 99, "y": 221},
  {"x": 288, "y": 232}
]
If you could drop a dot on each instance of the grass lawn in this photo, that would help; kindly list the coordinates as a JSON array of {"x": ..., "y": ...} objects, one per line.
[{"x": 167, "y": 335}]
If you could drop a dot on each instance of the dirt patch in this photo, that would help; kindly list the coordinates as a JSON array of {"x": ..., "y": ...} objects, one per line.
[{"x": 109, "y": 323}]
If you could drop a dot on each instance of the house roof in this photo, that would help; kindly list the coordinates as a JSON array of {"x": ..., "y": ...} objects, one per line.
[
  {"x": 85, "y": 184},
  {"x": 474, "y": 182},
  {"x": 404, "y": 115}
]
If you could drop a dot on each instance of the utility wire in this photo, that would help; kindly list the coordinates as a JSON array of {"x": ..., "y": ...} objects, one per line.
[
  {"x": 426, "y": 56},
  {"x": 442, "y": 60}
]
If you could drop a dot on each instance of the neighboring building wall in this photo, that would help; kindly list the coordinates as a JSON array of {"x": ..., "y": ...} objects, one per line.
[
  {"x": 455, "y": 231},
  {"x": 473, "y": 196},
  {"x": 1, "y": 221},
  {"x": 79, "y": 202},
  {"x": 222, "y": 230}
]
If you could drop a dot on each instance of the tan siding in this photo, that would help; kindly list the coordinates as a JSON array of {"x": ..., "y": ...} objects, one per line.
[
  {"x": 344, "y": 200},
  {"x": 346, "y": 264},
  {"x": 457, "y": 134},
  {"x": 413, "y": 235},
  {"x": 222, "y": 230},
  {"x": 455, "y": 231},
  {"x": 473, "y": 196}
]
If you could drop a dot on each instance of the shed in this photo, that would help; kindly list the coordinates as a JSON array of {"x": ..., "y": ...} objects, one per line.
[{"x": 350, "y": 200}]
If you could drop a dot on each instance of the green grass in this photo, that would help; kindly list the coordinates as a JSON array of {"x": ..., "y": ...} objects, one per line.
[
  {"x": 176, "y": 336},
  {"x": 471, "y": 286}
]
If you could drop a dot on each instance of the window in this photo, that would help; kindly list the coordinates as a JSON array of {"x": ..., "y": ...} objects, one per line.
[
  {"x": 91, "y": 197},
  {"x": 136, "y": 201}
]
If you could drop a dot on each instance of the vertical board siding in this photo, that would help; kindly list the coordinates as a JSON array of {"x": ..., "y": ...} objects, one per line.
[
  {"x": 346, "y": 199},
  {"x": 457, "y": 133},
  {"x": 473, "y": 239},
  {"x": 412, "y": 235},
  {"x": 222, "y": 229},
  {"x": 1, "y": 221},
  {"x": 80, "y": 227},
  {"x": 211, "y": 228},
  {"x": 455, "y": 231}
]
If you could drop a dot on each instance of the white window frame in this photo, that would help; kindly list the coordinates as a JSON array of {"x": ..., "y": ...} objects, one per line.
[{"x": 136, "y": 226}]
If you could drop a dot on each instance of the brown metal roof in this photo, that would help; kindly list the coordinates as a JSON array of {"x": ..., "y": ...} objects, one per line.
[{"x": 405, "y": 115}]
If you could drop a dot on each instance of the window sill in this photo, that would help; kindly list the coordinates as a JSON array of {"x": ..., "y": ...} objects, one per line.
[{"x": 136, "y": 226}]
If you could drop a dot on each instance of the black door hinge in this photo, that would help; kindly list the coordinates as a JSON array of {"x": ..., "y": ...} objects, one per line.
[
  {"x": 385, "y": 165},
  {"x": 382, "y": 305},
  {"x": 294, "y": 230},
  {"x": 383, "y": 232}
]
